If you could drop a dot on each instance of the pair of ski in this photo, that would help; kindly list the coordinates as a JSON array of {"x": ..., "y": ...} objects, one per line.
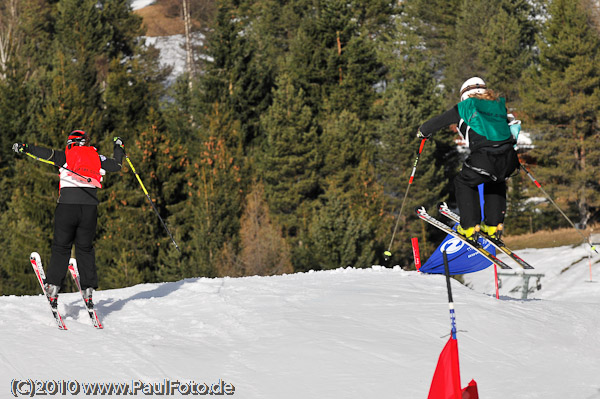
[
  {"x": 444, "y": 210},
  {"x": 38, "y": 268}
]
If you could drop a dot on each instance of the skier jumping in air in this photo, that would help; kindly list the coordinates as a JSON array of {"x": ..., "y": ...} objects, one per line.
[
  {"x": 481, "y": 119},
  {"x": 75, "y": 217}
]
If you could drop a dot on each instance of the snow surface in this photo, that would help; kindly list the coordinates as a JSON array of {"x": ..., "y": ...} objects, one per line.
[
  {"x": 346, "y": 333},
  {"x": 172, "y": 52},
  {"x": 137, "y": 4}
]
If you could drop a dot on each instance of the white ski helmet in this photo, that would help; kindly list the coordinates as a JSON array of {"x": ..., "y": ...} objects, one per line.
[{"x": 472, "y": 86}]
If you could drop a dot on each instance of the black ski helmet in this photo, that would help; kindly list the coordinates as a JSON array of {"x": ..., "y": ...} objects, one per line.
[{"x": 77, "y": 137}]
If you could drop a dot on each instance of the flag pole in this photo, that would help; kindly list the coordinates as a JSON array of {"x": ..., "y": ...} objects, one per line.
[
  {"x": 446, "y": 378},
  {"x": 496, "y": 281}
]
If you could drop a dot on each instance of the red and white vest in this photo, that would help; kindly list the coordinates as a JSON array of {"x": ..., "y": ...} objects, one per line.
[{"x": 85, "y": 161}]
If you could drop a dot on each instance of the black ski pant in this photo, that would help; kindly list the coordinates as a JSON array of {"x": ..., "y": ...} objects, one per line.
[
  {"x": 490, "y": 166},
  {"x": 74, "y": 224}
]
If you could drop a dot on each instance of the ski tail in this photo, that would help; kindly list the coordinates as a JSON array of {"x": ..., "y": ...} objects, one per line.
[
  {"x": 89, "y": 305},
  {"x": 36, "y": 263}
]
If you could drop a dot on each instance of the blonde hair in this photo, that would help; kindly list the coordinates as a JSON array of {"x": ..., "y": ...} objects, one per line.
[{"x": 488, "y": 94}]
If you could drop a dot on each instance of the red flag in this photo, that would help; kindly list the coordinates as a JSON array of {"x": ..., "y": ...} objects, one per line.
[
  {"x": 415, "y": 246},
  {"x": 446, "y": 379},
  {"x": 470, "y": 392}
]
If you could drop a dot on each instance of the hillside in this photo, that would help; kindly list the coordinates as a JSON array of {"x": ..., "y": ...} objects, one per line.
[
  {"x": 159, "y": 21},
  {"x": 162, "y": 17}
]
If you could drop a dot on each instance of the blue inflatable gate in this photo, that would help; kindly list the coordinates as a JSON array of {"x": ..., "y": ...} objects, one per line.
[{"x": 462, "y": 258}]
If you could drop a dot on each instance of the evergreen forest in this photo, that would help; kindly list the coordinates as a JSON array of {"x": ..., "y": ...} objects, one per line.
[{"x": 288, "y": 144}]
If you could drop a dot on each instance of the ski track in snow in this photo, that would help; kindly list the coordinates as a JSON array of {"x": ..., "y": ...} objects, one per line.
[{"x": 346, "y": 333}]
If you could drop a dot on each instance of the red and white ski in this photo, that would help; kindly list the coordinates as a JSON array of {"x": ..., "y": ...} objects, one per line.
[
  {"x": 89, "y": 305},
  {"x": 36, "y": 263}
]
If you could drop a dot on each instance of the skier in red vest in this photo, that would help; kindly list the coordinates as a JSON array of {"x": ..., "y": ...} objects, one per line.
[{"x": 75, "y": 217}]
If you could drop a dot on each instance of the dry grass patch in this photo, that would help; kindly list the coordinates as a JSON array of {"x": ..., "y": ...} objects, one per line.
[
  {"x": 546, "y": 239},
  {"x": 165, "y": 17},
  {"x": 158, "y": 21}
]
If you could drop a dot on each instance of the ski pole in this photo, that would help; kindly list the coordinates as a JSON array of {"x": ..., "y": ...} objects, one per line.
[
  {"x": 388, "y": 253},
  {"x": 450, "y": 300},
  {"x": 149, "y": 199},
  {"x": 556, "y": 206},
  {"x": 58, "y": 166}
]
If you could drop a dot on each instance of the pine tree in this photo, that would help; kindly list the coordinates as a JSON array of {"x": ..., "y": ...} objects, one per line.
[
  {"x": 215, "y": 192},
  {"x": 562, "y": 100},
  {"x": 264, "y": 251},
  {"x": 410, "y": 98},
  {"x": 349, "y": 146},
  {"x": 493, "y": 40},
  {"x": 291, "y": 160},
  {"x": 13, "y": 121},
  {"x": 435, "y": 21},
  {"x": 506, "y": 48},
  {"x": 341, "y": 236},
  {"x": 521, "y": 215},
  {"x": 239, "y": 76},
  {"x": 27, "y": 222}
]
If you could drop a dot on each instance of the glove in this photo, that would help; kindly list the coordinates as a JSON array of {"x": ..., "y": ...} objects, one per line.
[
  {"x": 118, "y": 141},
  {"x": 19, "y": 147},
  {"x": 421, "y": 135}
]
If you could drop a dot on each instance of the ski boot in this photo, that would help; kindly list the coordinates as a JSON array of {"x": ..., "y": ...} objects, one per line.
[
  {"x": 471, "y": 234},
  {"x": 52, "y": 294},
  {"x": 493, "y": 232},
  {"x": 87, "y": 297}
]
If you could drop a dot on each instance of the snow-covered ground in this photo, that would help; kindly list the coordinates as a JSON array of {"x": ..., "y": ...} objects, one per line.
[
  {"x": 347, "y": 333},
  {"x": 172, "y": 52},
  {"x": 137, "y": 4}
]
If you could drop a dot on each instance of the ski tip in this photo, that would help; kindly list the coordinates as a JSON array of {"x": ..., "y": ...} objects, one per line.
[
  {"x": 34, "y": 255},
  {"x": 96, "y": 321}
]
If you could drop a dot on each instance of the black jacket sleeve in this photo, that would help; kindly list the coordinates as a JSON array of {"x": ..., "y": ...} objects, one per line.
[
  {"x": 58, "y": 157},
  {"x": 113, "y": 164},
  {"x": 441, "y": 121}
]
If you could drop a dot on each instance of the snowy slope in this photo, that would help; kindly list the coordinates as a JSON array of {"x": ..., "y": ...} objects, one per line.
[
  {"x": 172, "y": 52},
  {"x": 347, "y": 333},
  {"x": 138, "y": 4}
]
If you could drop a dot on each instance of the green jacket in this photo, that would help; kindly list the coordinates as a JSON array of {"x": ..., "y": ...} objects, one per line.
[{"x": 486, "y": 117}]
